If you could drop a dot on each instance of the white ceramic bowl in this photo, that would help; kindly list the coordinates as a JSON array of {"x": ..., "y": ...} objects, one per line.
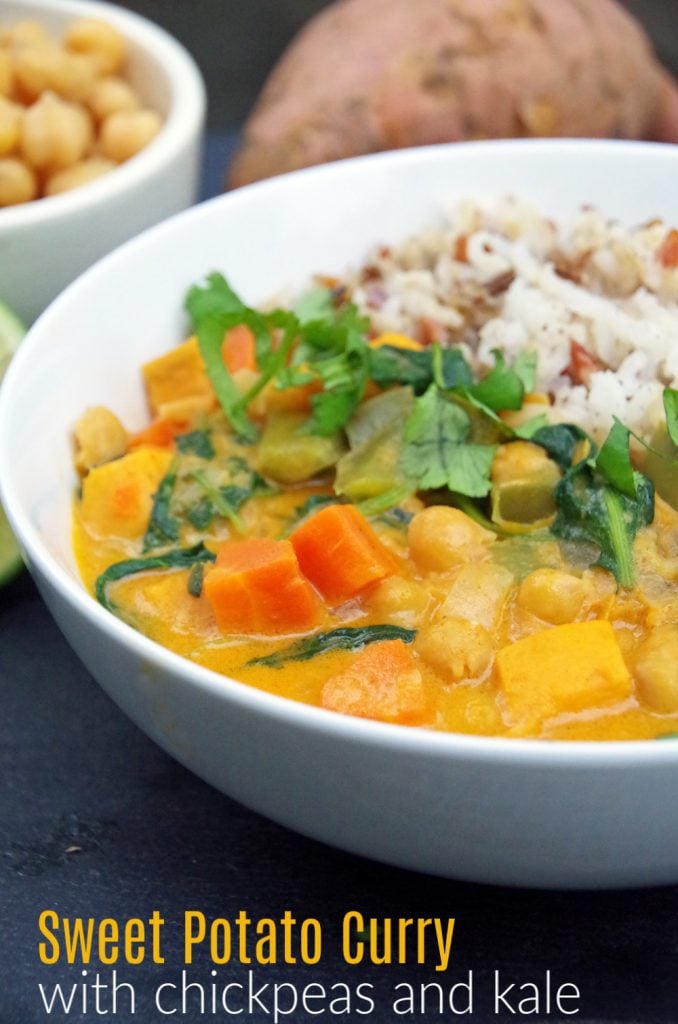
[
  {"x": 45, "y": 244},
  {"x": 507, "y": 811}
]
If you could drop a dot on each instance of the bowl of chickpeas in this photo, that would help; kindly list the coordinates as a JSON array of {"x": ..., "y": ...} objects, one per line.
[{"x": 101, "y": 123}]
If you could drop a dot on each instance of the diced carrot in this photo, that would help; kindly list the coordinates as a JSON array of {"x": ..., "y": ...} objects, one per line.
[
  {"x": 160, "y": 433},
  {"x": 256, "y": 586},
  {"x": 382, "y": 682},
  {"x": 340, "y": 553},
  {"x": 238, "y": 350},
  {"x": 668, "y": 254},
  {"x": 294, "y": 399}
]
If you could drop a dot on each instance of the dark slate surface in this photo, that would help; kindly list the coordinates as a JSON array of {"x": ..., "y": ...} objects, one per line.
[{"x": 97, "y": 821}]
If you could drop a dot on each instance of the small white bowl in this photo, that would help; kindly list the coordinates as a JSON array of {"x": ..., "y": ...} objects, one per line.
[
  {"x": 45, "y": 244},
  {"x": 520, "y": 812}
]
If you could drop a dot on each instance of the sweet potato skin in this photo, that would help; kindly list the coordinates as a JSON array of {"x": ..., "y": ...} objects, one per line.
[{"x": 369, "y": 75}]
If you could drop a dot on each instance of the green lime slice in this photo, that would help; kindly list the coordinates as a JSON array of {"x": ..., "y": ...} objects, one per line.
[
  {"x": 10, "y": 556},
  {"x": 11, "y": 333}
]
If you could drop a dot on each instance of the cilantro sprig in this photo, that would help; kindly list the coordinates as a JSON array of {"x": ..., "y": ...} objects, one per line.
[
  {"x": 440, "y": 449},
  {"x": 438, "y": 452},
  {"x": 315, "y": 342}
]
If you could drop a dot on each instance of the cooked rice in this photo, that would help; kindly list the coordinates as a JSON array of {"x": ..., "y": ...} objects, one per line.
[{"x": 506, "y": 277}]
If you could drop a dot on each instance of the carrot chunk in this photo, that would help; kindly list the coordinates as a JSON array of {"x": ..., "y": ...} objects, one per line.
[
  {"x": 340, "y": 553},
  {"x": 382, "y": 682},
  {"x": 256, "y": 586},
  {"x": 237, "y": 350},
  {"x": 160, "y": 433}
]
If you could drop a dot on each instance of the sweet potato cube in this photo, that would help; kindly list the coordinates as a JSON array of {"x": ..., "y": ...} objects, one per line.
[
  {"x": 256, "y": 586},
  {"x": 180, "y": 373},
  {"x": 117, "y": 497},
  {"x": 340, "y": 553},
  {"x": 382, "y": 682},
  {"x": 565, "y": 669}
]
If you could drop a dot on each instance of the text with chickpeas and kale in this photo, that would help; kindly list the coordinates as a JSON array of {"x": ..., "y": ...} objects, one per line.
[{"x": 281, "y": 968}]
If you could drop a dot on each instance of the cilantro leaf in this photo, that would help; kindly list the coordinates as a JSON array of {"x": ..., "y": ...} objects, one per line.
[
  {"x": 210, "y": 331},
  {"x": 525, "y": 367},
  {"x": 502, "y": 388},
  {"x": 217, "y": 298},
  {"x": 671, "y": 410},
  {"x": 436, "y": 452},
  {"x": 316, "y": 304},
  {"x": 613, "y": 461}
]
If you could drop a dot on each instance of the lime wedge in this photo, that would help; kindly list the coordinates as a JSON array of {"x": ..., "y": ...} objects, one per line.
[
  {"x": 10, "y": 556},
  {"x": 11, "y": 333}
]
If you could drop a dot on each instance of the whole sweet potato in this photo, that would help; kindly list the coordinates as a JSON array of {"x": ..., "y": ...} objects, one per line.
[{"x": 368, "y": 75}]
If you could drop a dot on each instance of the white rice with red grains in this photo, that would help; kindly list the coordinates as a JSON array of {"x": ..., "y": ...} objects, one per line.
[{"x": 507, "y": 277}]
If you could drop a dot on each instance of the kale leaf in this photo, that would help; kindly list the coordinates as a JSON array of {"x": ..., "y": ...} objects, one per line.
[{"x": 346, "y": 638}]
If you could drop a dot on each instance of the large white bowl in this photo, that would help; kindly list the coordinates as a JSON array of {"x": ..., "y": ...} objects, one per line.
[
  {"x": 508, "y": 811},
  {"x": 45, "y": 244}
]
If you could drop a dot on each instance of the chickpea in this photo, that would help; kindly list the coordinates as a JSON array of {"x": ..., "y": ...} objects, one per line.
[
  {"x": 99, "y": 437},
  {"x": 441, "y": 538},
  {"x": 36, "y": 68},
  {"x": 554, "y": 596},
  {"x": 655, "y": 663},
  {"x": 23, "y": 33},
  {"x": 98, "y": 39},
  {"x": 48, "y": 67},
  {"x": 10, "y": 125},
  {"x": 78, "y": 174},
  {"x": 400, "y": 601},
  {"x": 111, "y": 95},
  {"x": 76, "y": 76},
  {"x": 520, "y": 459},
  {"x": 55, "y": 134},
  {"x": 455, "y": 648},
  {"x": 126, "y": 132},
  {"x": 18, "y": 183},
  {"x": 6, "y": 73}
]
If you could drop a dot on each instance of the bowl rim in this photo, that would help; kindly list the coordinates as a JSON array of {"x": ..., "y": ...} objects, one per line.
[
  {"x": 552, "y": 754},
  {"x": 186, "y": 116}
]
